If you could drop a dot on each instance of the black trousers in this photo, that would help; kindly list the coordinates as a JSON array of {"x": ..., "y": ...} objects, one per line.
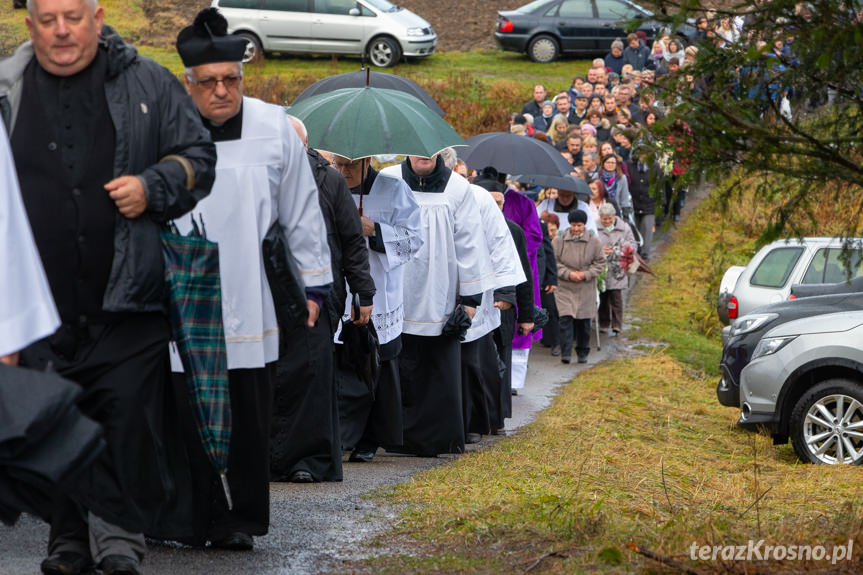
[
  {"x": 305, "y": 434},
  {"x": 551, "y": 332},
  {"x": 581, "y": 329},
  {"x": 248, "y": 459},
  {"x": 611, "y": 309},
  {"x": 481, "y": 382},
  {"x": 140, "y": 481},
  {"x": 503, "y": 342},
  {"x": 367, "y": 422}
]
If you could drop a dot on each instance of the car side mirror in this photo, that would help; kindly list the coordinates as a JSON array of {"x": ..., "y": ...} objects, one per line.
[{"x": 354, "y": 12}]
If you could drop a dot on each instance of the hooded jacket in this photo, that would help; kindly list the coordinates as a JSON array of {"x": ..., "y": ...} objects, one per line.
[{"x": 153, "y": 117}]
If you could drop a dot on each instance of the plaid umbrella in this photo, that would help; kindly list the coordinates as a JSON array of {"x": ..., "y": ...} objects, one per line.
[{"x": 194, "y": 285}]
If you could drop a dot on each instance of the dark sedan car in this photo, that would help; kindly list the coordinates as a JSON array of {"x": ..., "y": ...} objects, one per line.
[
  {"x": 544, "y": 29},
  {"x": 749, "y": 329}
]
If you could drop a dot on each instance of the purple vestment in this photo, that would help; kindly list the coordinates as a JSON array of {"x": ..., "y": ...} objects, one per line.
[{"x": 518, "y": 208}]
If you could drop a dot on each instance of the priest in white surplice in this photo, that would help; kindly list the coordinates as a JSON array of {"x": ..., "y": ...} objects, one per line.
[
  {"x": 452, "y": 268},
  {"x": 27, "y": 310},
  {"x": 262, "y": 176},
  {"x": 481, "y": 376},
  {"x": 391, "y": 225}
]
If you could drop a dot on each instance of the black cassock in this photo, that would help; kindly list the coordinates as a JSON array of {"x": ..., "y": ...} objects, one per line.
[
  {"x": 305, "y": 430},
  {"x": 481, "y": 385},
  {"x": 367, "y": 422},
  {"x": 430, "y": 372}
]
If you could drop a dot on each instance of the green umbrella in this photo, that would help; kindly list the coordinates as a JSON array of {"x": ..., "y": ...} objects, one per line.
[{"x": 361, "y": 122}]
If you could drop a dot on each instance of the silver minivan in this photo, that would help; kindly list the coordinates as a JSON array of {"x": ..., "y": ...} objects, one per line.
[{"x": 383, "y": 31}]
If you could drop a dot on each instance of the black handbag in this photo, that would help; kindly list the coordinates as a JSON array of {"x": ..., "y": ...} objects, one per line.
[{"x": 289, "y": 292}]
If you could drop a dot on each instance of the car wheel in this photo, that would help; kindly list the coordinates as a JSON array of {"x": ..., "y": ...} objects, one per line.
[
  {"x": 827, "y": 423},
  {"x": 384, "y": 52},
  {"x": 542, "y": 49},
  {"x": 254, "y": 50}
]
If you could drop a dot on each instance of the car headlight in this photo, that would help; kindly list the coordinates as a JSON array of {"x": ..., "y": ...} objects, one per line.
[
  {"x": 416, "y": 31},
  {"x": 752, "y": 322},
  {"x": 770, "y": 345}
]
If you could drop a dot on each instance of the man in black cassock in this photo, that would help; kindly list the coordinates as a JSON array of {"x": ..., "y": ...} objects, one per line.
[
  {"x": 306, "y": 438},
  {"x": 89, "y": 121}
]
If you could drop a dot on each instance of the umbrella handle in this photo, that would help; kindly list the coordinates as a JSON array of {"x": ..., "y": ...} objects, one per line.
[{"x": 227, "y": 490}]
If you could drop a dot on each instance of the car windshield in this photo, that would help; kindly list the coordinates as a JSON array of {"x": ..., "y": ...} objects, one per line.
[
  {"x": 384, "y": 6},
  {"x": 529, "y": 8}
]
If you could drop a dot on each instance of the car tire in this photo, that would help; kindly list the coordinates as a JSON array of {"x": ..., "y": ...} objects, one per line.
[
  {"x": 543, "y": 49},
  {"x": 384, "y": 52},
  {"x": 254, "y": 50},
  {"x": 827, "y": 423}
]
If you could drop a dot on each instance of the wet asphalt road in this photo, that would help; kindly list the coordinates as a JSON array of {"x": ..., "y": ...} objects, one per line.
[{"x": 313, "y": 526}]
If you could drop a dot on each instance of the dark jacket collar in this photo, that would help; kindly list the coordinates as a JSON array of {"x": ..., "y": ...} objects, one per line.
[
  {"x": 433, "y": 183},
  {"x": 120, "y": 54}
]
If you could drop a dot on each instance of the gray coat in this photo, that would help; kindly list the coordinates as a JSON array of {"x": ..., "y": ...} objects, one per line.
[
  {"x": 153, "y": 117},
  {"x": 577, "y": 299},
  {"x": 619, "y": 237}
]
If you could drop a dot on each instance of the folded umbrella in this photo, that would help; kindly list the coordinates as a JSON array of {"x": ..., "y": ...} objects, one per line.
[
  {"x": 362, "y": 78},
  {"x": 195, "y": 297}
]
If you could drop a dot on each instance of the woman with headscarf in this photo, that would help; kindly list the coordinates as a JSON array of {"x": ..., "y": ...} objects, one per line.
[
  {"x": 615, "y": 183},
  {"x": 618, "y": 245},
  {"x": 580, "y": 260}
]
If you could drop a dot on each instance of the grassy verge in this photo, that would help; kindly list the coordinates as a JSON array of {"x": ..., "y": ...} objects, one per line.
[{"x": 635, "y": 450}]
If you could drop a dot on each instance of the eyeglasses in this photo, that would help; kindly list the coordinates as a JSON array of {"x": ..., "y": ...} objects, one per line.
[{"x": 229, "y": 82}]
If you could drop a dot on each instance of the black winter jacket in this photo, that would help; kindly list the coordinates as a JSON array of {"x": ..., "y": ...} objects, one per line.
[
  {"x": 153, "y": 117},
  {"x": 639, "y": 188},
  {"x": 350, "y": 257}
]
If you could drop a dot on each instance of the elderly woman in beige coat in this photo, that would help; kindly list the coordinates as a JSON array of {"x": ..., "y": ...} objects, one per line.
[
  {"x": 580, "y": 260},
  {"x": 619, "y": 245}
]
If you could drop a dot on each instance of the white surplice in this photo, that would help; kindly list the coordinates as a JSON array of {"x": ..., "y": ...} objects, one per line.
[
  {"x": 564, "y": 216},
  {"x": 453, "y": 261},
  {"x": 260, "y": 178},
  {"x": 390, "y": 204},
  {"x": 504, "y": 259},
  {"x": 27, "y": 310}
]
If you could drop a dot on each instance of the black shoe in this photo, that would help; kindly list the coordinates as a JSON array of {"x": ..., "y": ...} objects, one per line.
[
  {"x": 514, "y": 392},
  {"x": 300, "y": 476},
  {"x": 501, "y": 431},
  {"x": 564, "y": 360},
  {"x": 555, "y": 351},
  {"x": 361, "y": 456},
  {"x": 582, "y": 359},
  {"x": 66, "y": 563},
  {"x": 236, "y": 541},
  {"x": 472, "y": 438},
  {"x": 120, "y": 565}
]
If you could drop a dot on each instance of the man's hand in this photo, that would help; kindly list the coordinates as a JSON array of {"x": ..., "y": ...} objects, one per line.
[
  {"x": 314, "y": 312},
  {"x": 502, "y": 305},
  {"x": 368, "y": 226},
  {"x": 11, "y": 359},
  {"x": 524, "y": 328},
  {"x": 550, "y": 289},
  {"x": 471, "y": 311},
  {"x": 576, "y": 276},
  {"x": 365, "y": 315},
  {"x": 128, "y": 195}
]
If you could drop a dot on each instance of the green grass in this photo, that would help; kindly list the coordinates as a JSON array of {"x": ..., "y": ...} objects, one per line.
[{"x": 635, "y": 451}]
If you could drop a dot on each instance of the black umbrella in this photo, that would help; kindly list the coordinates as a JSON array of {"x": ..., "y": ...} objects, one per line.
[
  {"x": 362, "y": 78},
  {"x": 569, "y": 183},
  {"x": 513, "y": 154},
  {"x": 44, "y": 440}
]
